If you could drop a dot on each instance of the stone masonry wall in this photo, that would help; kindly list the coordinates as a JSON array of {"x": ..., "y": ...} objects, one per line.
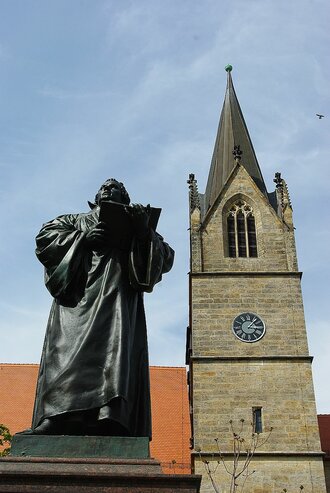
[
  {"x": 228, "y": 390},
  {"x": 272, "y": 475},
  {"x": 231, "y": 377},
  {"x": 217, "y": 300}
]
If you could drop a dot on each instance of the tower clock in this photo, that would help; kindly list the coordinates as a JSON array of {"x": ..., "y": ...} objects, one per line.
[{"x": 248, "y": 327}]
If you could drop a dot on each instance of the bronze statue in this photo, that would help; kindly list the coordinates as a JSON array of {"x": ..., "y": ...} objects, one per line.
[{"x": 94, "y": 374}]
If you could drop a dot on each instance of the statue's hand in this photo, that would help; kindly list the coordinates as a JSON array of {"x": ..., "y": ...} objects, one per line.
[
  {"x": 140, "y": 218},
  {"x": 98, "y": 236}
]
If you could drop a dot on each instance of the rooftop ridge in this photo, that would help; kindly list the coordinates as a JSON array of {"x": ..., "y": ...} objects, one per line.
[
  {"x": 19, "y": 364},
  {"x": 161, "y": 367}
]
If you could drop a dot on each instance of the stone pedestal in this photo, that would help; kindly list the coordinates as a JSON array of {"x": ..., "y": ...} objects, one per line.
[
  {"x": 26, "y": 473},
  {"x": 79, "y": 446}
]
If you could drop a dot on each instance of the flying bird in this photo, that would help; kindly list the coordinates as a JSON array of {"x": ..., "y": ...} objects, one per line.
[{"x": 320, "y": 116}]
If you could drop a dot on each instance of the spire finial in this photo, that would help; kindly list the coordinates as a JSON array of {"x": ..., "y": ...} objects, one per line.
[
  {"x": 228, "y": 68},
  {"x": 193, "y": 193},
  {"x": 237, "y": 153},
  {"x": 278, "y": 180}
]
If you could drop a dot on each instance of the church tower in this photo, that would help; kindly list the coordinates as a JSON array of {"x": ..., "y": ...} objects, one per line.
[{"x": 246, "y": 343}]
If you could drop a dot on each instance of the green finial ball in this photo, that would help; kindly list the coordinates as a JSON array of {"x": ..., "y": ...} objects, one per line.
[{"x": 228, "y": 68}]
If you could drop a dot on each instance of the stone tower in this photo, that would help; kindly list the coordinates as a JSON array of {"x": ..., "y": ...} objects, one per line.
[{"x": 246, "y": 344}]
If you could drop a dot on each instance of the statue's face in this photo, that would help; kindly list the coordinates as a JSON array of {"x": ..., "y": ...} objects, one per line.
[{"x": 110, "y": 191}]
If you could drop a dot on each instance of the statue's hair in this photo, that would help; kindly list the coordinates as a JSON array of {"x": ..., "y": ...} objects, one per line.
[{"x": 125, "y": 197}]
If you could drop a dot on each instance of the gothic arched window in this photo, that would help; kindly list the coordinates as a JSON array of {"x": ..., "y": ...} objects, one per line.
[{"x": 241, "y": 229}]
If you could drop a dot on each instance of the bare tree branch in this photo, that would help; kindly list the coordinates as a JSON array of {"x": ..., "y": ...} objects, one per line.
[{"x": 243, "y": 452}]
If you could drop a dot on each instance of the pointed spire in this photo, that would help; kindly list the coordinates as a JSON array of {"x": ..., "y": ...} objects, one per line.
[{"x": 232, "y": 145}]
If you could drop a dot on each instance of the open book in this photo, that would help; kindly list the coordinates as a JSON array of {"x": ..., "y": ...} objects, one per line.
[{"x": 119, "y": 223}]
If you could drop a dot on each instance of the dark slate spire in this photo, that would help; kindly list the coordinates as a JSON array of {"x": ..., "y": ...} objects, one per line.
[{"x": 232, "y": 133}]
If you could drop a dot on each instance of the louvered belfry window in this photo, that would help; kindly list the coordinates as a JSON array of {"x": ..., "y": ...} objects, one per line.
[{"x": 241, "y": 229}]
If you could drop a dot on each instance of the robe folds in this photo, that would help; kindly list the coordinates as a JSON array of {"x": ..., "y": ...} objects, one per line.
[{"x": 95, "y": 354}]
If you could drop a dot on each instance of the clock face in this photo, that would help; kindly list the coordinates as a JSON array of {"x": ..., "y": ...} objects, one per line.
[{"x": 248, "y": 327}]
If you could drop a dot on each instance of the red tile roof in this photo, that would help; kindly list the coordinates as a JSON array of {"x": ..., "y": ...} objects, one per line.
[
  {"x": 170, "y": 418},
  {"x": 17, "y": 391},
  {"x": 169, "y": 401},
  {"x": 324, "y": 426}
]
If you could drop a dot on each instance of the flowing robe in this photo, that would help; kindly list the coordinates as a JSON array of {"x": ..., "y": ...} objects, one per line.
[{"x": 95, "y": 354}]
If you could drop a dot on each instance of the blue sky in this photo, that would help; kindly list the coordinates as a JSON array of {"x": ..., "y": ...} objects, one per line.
[{"x": 133, "y": 90}]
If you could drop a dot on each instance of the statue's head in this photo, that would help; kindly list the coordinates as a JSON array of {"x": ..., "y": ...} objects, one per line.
[{"x": 112, "y": 190}]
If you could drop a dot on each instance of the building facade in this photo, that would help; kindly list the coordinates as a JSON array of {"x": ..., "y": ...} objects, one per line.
[{"x": 249, "y": 364}]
